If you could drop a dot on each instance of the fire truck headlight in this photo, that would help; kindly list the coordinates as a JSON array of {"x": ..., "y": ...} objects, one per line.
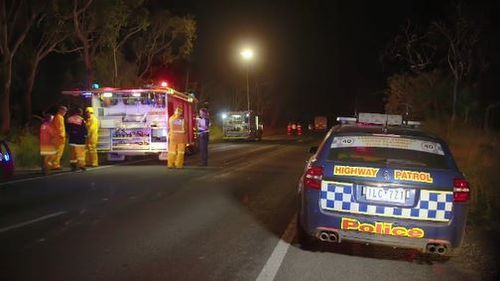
[{"x": 224, "y": 115}]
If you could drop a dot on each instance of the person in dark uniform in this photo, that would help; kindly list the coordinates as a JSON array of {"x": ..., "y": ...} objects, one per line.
[
  {"x": 203, "y": 124},
  {"x": 77, "y": 132}
]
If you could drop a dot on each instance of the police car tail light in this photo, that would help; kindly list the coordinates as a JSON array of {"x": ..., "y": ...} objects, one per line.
[
  {"x": 461, "y": 190},
  {"x": 313, "y": 177}
]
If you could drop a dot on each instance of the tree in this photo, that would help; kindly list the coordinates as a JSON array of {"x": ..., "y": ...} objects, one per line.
[
  {"x": 415, "y": 95},
  {"x": 46, "y": 37},
  {"x": 17, "y": 18},
  {"x": 124, "y": 21},
  {"x": 167, "y": 39},
  {"x": 461, "y": 56},
  {"x": 421, "y": 52},
  {"x": 415, "y": 49}
]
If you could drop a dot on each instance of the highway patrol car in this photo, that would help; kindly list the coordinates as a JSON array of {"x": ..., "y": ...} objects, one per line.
[{"x": 378, "y": 179}]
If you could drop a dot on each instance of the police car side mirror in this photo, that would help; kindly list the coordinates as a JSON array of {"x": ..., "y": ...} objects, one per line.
[{"x": 313, "y": 149}]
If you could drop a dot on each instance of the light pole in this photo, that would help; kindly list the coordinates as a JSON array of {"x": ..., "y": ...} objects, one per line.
[{"x": 247, "y": 55}]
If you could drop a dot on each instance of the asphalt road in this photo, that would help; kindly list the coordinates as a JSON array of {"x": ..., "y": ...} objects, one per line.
[{"x": 233, "y": 220}]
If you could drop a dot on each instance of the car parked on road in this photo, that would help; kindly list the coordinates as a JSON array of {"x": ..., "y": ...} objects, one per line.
[
  {"x": 6, "y": 161},
  {"x": 381, "y": 180}
]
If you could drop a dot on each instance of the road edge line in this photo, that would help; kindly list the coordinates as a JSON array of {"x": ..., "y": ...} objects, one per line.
[{"x": 273, "y": 264}]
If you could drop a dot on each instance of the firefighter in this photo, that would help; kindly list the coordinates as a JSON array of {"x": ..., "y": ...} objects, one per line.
[
  {"x": 60, "y": 136},
  {"x": 92, "y": 136},
  {"x": 177, "y": 139},
  {"x": 294, "y": 128},
  {"x": 203, "y": 124},
  {"x": 77, "y": 132},
  {"x": 47, "y": 147}
]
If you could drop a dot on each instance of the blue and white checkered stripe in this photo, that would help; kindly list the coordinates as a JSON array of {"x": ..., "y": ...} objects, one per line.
[{"x": 433, "y": 205}]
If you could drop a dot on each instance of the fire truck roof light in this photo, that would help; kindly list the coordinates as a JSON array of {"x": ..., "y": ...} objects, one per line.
[{"x": 164, "y": 84}]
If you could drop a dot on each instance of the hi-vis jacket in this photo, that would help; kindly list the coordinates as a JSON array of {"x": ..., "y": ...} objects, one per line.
[
  {"x": 59, "y": 128},
  {"x": 92, "y": 129},
  {"x": 47, "y": 134},
  {"x": 177, "y": 129}
]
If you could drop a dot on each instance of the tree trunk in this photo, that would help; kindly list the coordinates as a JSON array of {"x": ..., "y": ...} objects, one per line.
[
  {"x": 454, "y": 105},
  {"x": 27, "y": 97},
  {"x": 5, "y": 97},
  {"x": 115, "y": 76},
  {"x": 89, "y": 68}
]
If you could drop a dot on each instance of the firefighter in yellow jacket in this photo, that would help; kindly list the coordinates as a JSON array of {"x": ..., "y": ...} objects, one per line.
[
  {"x": 177, "y": 139},
  {"x": 60, "y": 136},
  {"x": 92, "y": 136}
]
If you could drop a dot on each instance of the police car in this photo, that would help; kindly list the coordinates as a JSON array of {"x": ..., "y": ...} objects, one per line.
[{"x": 378, "y": 179}]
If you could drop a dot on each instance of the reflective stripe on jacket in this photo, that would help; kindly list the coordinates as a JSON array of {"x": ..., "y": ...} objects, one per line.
[{"x": 77, "y": 130}]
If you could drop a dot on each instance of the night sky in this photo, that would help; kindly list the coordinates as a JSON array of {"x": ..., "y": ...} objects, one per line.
[{"x": 322, "y": 57}]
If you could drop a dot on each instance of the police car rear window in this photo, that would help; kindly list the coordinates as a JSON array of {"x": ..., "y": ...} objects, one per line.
[{"x": 389, "y": 150}]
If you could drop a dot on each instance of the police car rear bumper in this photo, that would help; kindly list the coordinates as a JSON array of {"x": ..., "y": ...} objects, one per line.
[
  {"x": 431, "y": 246},
  {"x": 395, "y": 232}
]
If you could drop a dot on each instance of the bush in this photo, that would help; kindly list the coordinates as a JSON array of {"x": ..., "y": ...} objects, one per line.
[
  {"x": 25, "y": 148},
  {"x": 478, "y": 157},
  {"x": 216, "y": 133}
]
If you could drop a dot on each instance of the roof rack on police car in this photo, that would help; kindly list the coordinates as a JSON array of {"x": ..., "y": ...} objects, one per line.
[{"x": 378, "y": 119}]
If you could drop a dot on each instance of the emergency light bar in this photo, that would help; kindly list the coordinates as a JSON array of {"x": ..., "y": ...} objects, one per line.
[{"x": 413, "y": 123}]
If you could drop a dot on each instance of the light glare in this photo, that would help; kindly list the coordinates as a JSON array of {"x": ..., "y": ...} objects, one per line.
[{"x": 247, "y": 54}]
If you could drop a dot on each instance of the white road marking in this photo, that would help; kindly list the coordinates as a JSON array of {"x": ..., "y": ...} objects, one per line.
[
  {"x": 70, "y": 173},
  {"x": 49, "y": 216},
  {"x": 274, "y": 262}
]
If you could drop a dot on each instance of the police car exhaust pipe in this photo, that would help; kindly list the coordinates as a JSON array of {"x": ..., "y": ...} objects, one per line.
[
  {"x": 441, "y": 249},
  {"x": 437, "y": 249},
  {"x": 329, "y": 236},
  {"x": 334, "y": 237},
  {"x": 323, "y": 236}
]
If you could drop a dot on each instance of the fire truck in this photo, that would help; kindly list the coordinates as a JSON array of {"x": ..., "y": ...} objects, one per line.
[
  {"x": 134, "y": 121},
  {"x": 243, "y": 125}
]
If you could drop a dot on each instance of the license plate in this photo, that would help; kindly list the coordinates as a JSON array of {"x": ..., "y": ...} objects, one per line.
[{"x": 392, "y": 195}]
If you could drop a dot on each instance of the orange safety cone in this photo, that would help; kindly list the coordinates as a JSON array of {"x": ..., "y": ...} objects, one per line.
[
  {"x": 289, "y": 129},
  {"x": 299, "y": 130}
]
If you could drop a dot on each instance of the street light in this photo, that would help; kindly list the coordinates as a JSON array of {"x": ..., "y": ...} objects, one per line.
[{"x": 247, "y": 55}]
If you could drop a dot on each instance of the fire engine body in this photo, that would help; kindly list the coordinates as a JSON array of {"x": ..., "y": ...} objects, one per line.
[{"x": 135, "y": 121}]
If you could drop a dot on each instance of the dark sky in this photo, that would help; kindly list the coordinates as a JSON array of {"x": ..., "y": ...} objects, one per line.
[{"x": 322, "y": 57}]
